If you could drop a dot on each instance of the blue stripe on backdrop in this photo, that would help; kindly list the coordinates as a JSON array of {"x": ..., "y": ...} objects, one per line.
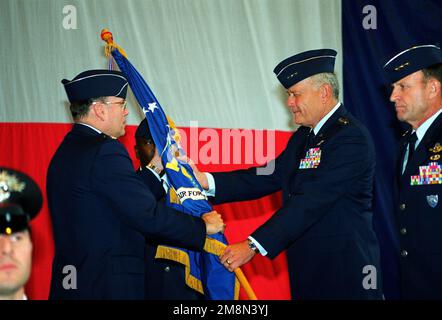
[{"x": 399, "y": 24}]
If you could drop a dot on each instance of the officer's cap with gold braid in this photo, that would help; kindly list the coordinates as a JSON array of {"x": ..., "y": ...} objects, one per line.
[
  {"x": 303, "y": 65},
  {"x": 411, "y": 60},
  {"x": 20, "y": 200},
  {"x": 94, "y": 84}
]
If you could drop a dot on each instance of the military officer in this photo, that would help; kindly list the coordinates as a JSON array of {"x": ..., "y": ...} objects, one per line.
[
  {"x": 416, "y": 75},
  {"x": 326, "y": 177},
  {"x": 102, "y": 213}
]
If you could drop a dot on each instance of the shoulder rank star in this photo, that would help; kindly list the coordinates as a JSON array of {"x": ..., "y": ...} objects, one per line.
[{"x": 437, "y": 148}]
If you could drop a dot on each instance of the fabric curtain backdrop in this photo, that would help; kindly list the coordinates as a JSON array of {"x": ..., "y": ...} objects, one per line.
[{"x": 210, "y": 65}]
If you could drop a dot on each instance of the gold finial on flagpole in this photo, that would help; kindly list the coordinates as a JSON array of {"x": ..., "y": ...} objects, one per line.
[{"x": 107, "y": 37}]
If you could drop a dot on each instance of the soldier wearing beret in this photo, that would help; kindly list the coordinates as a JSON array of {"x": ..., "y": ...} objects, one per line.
[
  {"x": 416, "y": 75},
  {"x": 20, "y": 201},
  {"x": 102, "y": 213},
  {"x": 326, "y": 177}
]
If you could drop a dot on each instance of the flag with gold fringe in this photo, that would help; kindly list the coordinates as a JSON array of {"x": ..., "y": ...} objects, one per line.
[{"x": 204, "y": 272}]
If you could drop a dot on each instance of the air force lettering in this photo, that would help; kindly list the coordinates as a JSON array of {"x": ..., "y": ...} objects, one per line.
[{"x": 190, "y": 193}]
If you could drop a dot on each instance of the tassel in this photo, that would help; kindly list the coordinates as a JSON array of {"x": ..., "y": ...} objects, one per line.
[{"x": 107, "y": 37}]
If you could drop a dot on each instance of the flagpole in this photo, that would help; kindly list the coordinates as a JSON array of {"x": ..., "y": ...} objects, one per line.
[
  {"x": 245, "y": 284},
  {"x": 107, "y": 37},
  {"x": 217, "y": 248}
]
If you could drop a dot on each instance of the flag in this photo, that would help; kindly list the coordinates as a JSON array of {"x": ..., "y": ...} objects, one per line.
[{"x": 204, "y": 271}]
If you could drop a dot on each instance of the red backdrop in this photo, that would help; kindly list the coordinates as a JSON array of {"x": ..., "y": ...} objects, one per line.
[{"x": 29, "y": 147}]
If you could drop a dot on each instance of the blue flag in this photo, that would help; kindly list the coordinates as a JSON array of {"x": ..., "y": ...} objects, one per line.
[{"x": 204, "y": 271}]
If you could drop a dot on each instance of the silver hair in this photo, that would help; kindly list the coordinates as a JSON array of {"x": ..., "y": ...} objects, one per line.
[{"x": 327, "y": 78}]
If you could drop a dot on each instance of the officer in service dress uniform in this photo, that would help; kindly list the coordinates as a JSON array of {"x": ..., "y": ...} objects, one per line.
[
  {"x": 102, "y": 213},
  {"x": 416, "y": 76},
  {"x": 326, "y": 177}
]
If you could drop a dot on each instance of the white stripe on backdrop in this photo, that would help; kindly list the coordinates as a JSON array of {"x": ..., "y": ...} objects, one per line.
[{"x": 209, "y": 61}]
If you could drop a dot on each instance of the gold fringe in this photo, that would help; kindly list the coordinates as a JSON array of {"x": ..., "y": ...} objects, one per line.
[
  {"x": 173, "y": 196},
  {"x": 214, "y": 246},
  {"x": 211, "y": 246},
  {"x": 179, "y": 256},
  {"x": 163, "y": 252},
  {"x": 176, "y": 136}
]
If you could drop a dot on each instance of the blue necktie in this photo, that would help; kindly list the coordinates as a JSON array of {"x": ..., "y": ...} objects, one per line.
[
  {"x": 411, "y": 146},
  {"x": 310, "y": 139}
]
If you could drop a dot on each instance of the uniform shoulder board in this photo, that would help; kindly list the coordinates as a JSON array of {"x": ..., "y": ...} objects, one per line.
[{"x": 331, "y": 131}]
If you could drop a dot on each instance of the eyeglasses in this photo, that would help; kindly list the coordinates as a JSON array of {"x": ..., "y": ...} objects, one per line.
[{"x": 123, "y": 103}]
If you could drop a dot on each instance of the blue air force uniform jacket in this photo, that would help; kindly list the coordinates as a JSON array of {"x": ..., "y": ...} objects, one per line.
[
  {"x": 419, "y": 217},
  {"x": 325, "y": 222},
  {"x": 102, "y": 214},
  {"x": 165, "y": 279}
]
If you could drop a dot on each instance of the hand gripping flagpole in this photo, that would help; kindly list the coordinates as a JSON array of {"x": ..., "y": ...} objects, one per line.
[
  {"x": 212, "y": 245},
  {"x": 238, "y": 272}
]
